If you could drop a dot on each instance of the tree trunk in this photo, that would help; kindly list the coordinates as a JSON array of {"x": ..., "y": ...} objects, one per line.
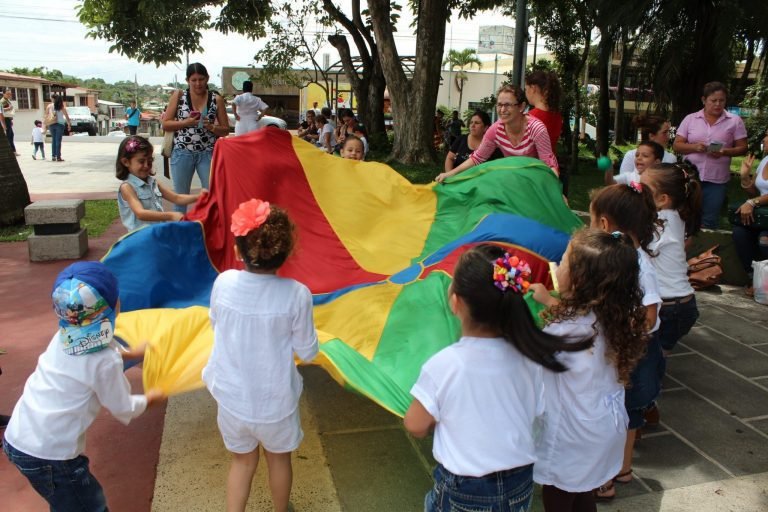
[
  {"x": 14, "y": 194},
  {"x": 413, "y": 99},
  {"x": 626, "y": 54},
  {"x": 577, "y": 105},
  {"x": 603, "y": 104},
  {"x": 738, "y": 94}
]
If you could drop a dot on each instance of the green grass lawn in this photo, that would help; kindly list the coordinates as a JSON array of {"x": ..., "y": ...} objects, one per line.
[{"x": 99, "y": 215}]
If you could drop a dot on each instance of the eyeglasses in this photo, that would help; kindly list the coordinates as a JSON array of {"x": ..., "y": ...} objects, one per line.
[{"x": 502, "y": 106}]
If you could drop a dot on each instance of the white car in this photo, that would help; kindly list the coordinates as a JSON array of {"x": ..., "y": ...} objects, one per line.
[
  {"x": 117, "y": 133},
  {"x": 263, "y": 121}
]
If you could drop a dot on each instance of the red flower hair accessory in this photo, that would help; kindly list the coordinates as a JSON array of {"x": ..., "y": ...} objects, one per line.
[
  {"x": 510, "y": 272},
  {"x": 637, "y": 187},
  {"x": 249, "y": 216}
]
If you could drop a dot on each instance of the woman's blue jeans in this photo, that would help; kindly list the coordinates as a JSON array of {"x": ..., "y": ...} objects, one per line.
[
  {"x": 57, "y": 132},
  {"x": 184, "y": 164},
  {"x": 503, "y": 491},
  {"x": 712, "y": 199},
  {"x": 67, "y": 485}
]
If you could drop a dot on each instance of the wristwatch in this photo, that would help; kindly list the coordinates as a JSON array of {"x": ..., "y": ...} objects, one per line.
[{"x": 754, "y": 202}]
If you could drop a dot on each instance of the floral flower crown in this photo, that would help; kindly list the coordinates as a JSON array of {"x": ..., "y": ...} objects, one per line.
[
  {"x": 510, "y": 272},
  {"x": 249, "y": 216}
]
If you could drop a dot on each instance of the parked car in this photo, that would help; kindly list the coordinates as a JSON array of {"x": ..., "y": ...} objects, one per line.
[
  {"x": 82, "y": 120},
  {"x": 263, "y": 121}
]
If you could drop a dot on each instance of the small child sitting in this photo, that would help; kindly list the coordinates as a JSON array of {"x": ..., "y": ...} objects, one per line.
[
  {"x": 80, "y": 371},
  {"x": 140, "y": 196}
]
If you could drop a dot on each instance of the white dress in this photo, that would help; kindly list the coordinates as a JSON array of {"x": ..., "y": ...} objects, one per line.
[
  {"x": 585, "y": 424},
  {"x": 248, "y": 108}
]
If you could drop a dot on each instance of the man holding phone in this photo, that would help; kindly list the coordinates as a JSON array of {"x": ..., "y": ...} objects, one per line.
[{"x": 709, "y": 138}]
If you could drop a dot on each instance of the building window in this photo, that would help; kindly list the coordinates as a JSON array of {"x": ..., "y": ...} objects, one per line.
[
  {"x": 83, "y": 101},
  {"x": 26, "y": 99}
]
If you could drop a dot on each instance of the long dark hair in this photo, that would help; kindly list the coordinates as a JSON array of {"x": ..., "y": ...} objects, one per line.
[
  {"x": 604, "y": 272},
  {"x": 630, "y": 208},
  {"x": 549, "y": 84},
  {"x": 505, "y": 311},
  {"x": 58, "y": 102},
  {"x": 196, "y": 69},
  {"x": 649, "y": 124},
  {"x": 681, "y": 183}
]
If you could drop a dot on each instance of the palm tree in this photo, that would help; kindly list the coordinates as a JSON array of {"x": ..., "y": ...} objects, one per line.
[
  {"x": 14, "y": 194},
  {"x": 462, "y": 59}
]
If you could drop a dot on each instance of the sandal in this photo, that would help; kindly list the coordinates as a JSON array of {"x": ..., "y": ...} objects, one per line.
[
  {"x": 605, "y": 492},
  {"x": 625, "y": 477}
]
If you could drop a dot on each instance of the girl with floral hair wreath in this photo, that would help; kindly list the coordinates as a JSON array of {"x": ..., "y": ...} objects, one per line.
[
  {"x": 586, "y": 421},
  {"x": 484, "y": 393},
  {"x": 140, "y": 196},
  {"x": 260, "y": 320}
]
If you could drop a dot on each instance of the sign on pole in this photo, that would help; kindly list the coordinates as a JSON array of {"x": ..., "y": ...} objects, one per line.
[{"x": 496, "y": 39}]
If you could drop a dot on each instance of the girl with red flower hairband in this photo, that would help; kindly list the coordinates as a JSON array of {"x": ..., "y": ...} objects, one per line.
[
  {"x": 586, "y": 423},
  {"x": 140, "y": 196},
  {"x": 260, "y": 320},
  {"x": 631, "y": 210},
  {"x": 483, "y": 394}
]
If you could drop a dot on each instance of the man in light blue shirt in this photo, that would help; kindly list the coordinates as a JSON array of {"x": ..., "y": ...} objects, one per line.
[{"x": 133, "y": 115}]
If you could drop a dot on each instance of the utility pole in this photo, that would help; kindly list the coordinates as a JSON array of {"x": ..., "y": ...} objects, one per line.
[{"x": 521, "y": 38}]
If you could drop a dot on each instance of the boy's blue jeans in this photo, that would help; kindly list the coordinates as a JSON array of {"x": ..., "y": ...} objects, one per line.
[
  {"x": 67, "y": 485},
  {"x": 503, "y": 491}
]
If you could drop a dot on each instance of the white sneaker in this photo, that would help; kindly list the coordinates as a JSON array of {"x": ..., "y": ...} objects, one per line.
[{"x": 34, "y": 157}]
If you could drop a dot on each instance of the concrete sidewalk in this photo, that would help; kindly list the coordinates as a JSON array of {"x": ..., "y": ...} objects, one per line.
[{"x": 710, "y": 453}]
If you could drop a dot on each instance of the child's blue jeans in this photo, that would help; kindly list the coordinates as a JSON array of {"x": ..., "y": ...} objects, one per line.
[
  {"x": 67, "y": 485},
  {"x": 677, "y": 317},
  {"x": 503, "y": 491},
  {"x": 646, "y": 382}
]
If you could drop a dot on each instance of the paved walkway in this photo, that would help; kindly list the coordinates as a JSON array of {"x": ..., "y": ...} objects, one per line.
[{"x": 710, "y": 453}]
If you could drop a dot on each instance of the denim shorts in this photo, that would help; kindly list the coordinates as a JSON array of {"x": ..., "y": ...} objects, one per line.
[
  {"x": 503, "y": 491},
  {"x": 67, "y": 485},
  {"x": 646, "y": 382},
  {"x": 676, "y": 320}
]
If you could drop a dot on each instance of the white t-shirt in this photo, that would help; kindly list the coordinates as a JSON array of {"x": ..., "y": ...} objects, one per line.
[
  {"x": 248, "y": 108},
  {"x": 327, "y": 128},
  {"x": 259, "y": 321},
  {"x": 628, "y": 163},
  {"x": 37, "y": 134},
  {"x": 627, "y": 178},
  {"x": 649, "y": 284},
  {"x": 670, "y": 263},
  {"x": 760, "y": 182},
  {"x": 586, "y": 422},
  {"x": 62, "y": 398},
  {"x": 485, "y": 397}
]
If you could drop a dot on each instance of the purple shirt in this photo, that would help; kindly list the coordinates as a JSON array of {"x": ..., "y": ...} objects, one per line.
[{"x": 727, "y": 129}]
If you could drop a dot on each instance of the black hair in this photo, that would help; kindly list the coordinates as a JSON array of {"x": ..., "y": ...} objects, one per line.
[
  {"x": 138, "y": 144},
  {"x": 649, "y": 124},
  {"x": 505, "y": 311},
  {"x": 38, "y": 122},
  {"x": 58, "y": 103},
  {"x": 320, "y": 118},
  {"x": 247, "y": 86},
  {"x": 712, "y": 87},
  {"x": 268, "y": 246},
  {"x": 681, "y": 183},
  {"x": 196, "y": 69},
  {"x": 326, "y": 112},
  {"x": 658, "y": 150},
  {"x": 484, "y": 117},
  {"x": 630, "y": 208}
]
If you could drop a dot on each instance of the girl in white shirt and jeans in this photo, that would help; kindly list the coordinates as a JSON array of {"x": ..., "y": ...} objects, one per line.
[
  {"x": 677, "y": 193},
  {"x": 484, "y": 393},
  {"x": 259, "y": 321}
]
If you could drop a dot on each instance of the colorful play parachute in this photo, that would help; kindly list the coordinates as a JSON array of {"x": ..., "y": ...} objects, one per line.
[{"x": 376, "y": 251}]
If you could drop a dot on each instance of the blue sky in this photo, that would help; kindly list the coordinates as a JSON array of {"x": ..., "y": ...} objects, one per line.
[{"x": 46, "y": 33}]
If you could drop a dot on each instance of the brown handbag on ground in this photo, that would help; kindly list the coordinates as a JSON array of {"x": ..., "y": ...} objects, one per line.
[{"x": 705, "y": 270}]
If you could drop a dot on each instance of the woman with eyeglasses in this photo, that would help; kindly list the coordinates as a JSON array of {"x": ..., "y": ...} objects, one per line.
[
  {"x": 515, "y": 134},
  {"x": 709, "y": 138}
]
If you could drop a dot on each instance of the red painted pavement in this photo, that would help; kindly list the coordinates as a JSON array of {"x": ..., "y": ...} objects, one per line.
[{"x": 124, "y": 459}]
